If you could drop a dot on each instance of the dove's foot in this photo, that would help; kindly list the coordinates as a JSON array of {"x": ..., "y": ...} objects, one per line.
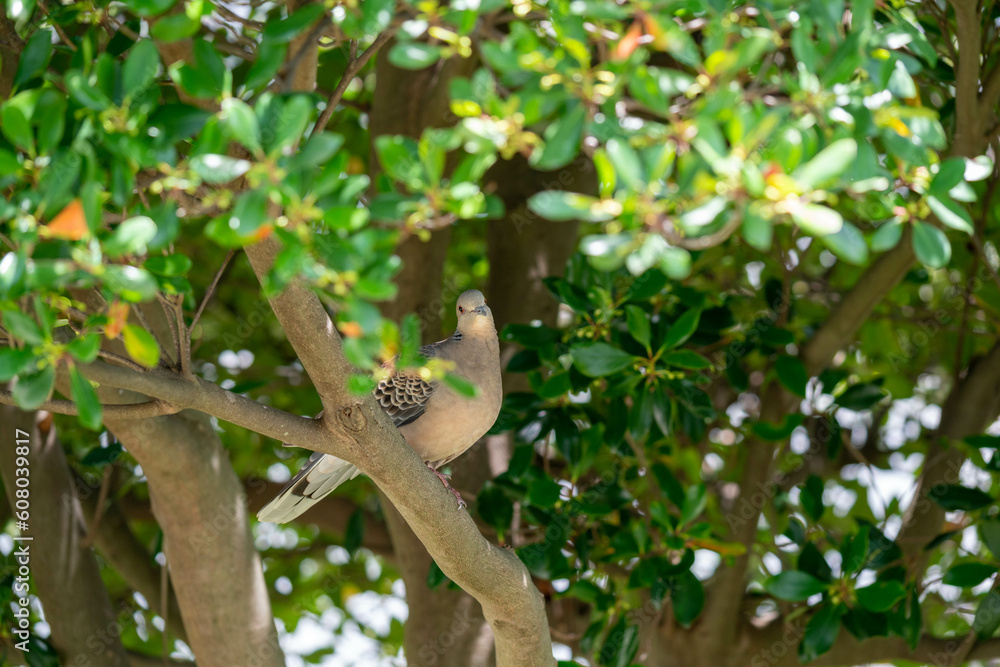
[{"x": 446, "y": 480}]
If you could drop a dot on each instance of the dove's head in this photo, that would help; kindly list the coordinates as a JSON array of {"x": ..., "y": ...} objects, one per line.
[{"x": 474, "y": 316}]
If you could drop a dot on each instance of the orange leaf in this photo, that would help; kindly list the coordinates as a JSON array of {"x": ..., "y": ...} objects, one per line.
[
  {"x": 70, "y": 224},
  {"x": 351, "y": 329},
  {"x": 117, "y": 317},
  {"x": 262, "y": 232},
  {"x": 629, "y": 42}
]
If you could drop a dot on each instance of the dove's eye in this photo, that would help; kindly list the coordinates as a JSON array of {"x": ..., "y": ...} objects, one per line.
[{"x": 461, "y": 310}]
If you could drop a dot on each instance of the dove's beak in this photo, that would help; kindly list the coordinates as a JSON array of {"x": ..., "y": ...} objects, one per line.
[{"x": 481, "y": 309}]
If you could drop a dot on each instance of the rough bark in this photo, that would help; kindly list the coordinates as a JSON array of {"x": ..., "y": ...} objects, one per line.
[
  {"x": 11, "y": 46},
  {"x": 64, "y": 571}
]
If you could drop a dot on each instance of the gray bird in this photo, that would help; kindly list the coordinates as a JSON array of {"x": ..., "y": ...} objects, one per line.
[{"x": 435, "y": 421}]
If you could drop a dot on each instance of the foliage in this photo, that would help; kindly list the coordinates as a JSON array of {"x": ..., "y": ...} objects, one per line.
[{"x": 751, "y": 160}]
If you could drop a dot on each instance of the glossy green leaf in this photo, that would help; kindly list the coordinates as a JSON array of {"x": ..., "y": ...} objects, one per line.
[
  {"x": 881, "y": 595},
  {"x": 681, "y": 329},
  {"x": 931, "y": 245},
  {"x": 958, "y": 498},
  {"x": 820, "y": 634},
  {"x": 85, "y": 399},
  {"x": 31, "y": 390},
  {"x": 967, "y": 575},
  {"x": 141, "y": 346},
  {"x": 794, "y": 586},
  {"x": 600, "y": 359}
]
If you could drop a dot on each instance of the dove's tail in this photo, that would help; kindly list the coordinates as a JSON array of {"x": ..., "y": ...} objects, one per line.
[{"x": 317, "y": 478}]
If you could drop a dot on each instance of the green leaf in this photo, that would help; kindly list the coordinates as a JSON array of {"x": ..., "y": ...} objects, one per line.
[
  {"x": 848, "y": 244},
  {"x": 84, "y": 94},
  {"x": 130, "y": 237},
  {"x": 35, "y": 57},
  {"x": 355, "y": 532},
  {"x": 688, "y": 359},
  {"x": 270, "y": 58},
  {"x": 84, "y": 348},
  {"x": 241, "y": 123},
  {"x": 827, "y": 165},
  {"x": 887, "y": 236},
  {"x": 695, "y": 499},
  {"x": 682, "y": 329},
  {"x": 13, "y": 361},
  {"x": 815, "y": 219},
  {"x": 361, "y": 384},
  {"x": 85, "y": 399},
  {"x": 130, "y": 283},
  {"x": 955, "y": 497},
  {"x": 141, "y": 346},
  {"x": 30, "y": 391},
  {"x": 777, "y": 432},
  {"x": 600, "y": 359},
  {"x": 317, "y": 151},
  {"x": 821, "y": 632},
  {"x": 688, "y": 596},
  {"x": 544, "y": 492},
  {"x": 557, "y": 205},
  {"x": 987, "y": 619},
  {"x": 794, "y": 586},
  {"x": 22, "y": 327},
  {"x": 140, "y": 68},
  {"x": 15, "y": 127},
  {"x": 213, "y": 168},
  {"x": 169, "y": 266},
  {"x": 757, "y": 230},
  {"x": 638, "y": 324},
  {"x": 460, "y": 385},
  {"x": 626, "y": 162},
  {"x": 951, "y": 213},
  {"x": 812, "y": 497},
  {"x": 562, "y": 140},
  {"x": 861, "y": 396},
  {"x": 881, "y": 596},
  {"x": 792, "y": 374},
  {"x": 287, "y": 29},
  {"x": 931, "y": 245},
  {"x": 990, "y": 532},
  {"x": 414, "y": 55},
  {"x": 967, "y": 575},
  {"x": 950, "y": 173},
  {"x": 174, "y": 28},
  {"x": 102, "y": 456}
]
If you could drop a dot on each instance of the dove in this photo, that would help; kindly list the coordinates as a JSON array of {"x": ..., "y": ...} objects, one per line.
[{"x": 437, "y": 422}]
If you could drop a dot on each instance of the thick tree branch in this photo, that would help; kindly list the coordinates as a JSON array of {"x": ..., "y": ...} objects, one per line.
[
  {"x": 112, "y": 411},
  {"x": 776, "y": 644},
  {"x": 204, "y": 396},
  {"x": 65, "y": 574},
  {"x": 494, "y": 576}
]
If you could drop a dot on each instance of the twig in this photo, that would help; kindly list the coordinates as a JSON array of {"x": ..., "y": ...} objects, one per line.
[
  {"x": 209, "y": 292},
  {"x": 145, "y": 323},
  {"x": 233, "y": 16},
  {"x": 59, "y": 30},
  {"x": 95, "y": 524},
  {"x": 170, "y": 310},
  {"x": 352, "y": 70},
  {"x": 122, "y": 361},
  {"x": 142, "y": 410}
]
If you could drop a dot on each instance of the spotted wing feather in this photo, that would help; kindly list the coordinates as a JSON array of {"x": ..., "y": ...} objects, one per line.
[{"x": 404, "y": 396}]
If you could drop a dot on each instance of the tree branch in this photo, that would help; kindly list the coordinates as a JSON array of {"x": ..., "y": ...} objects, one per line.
[
  {"x": 65, "y": 577},
  {"x": 352, "y": 70},
  {"x": 494, "y": 576},
  {"x": 204, "y": 396},
  {"x": 112, "y": 411}
]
